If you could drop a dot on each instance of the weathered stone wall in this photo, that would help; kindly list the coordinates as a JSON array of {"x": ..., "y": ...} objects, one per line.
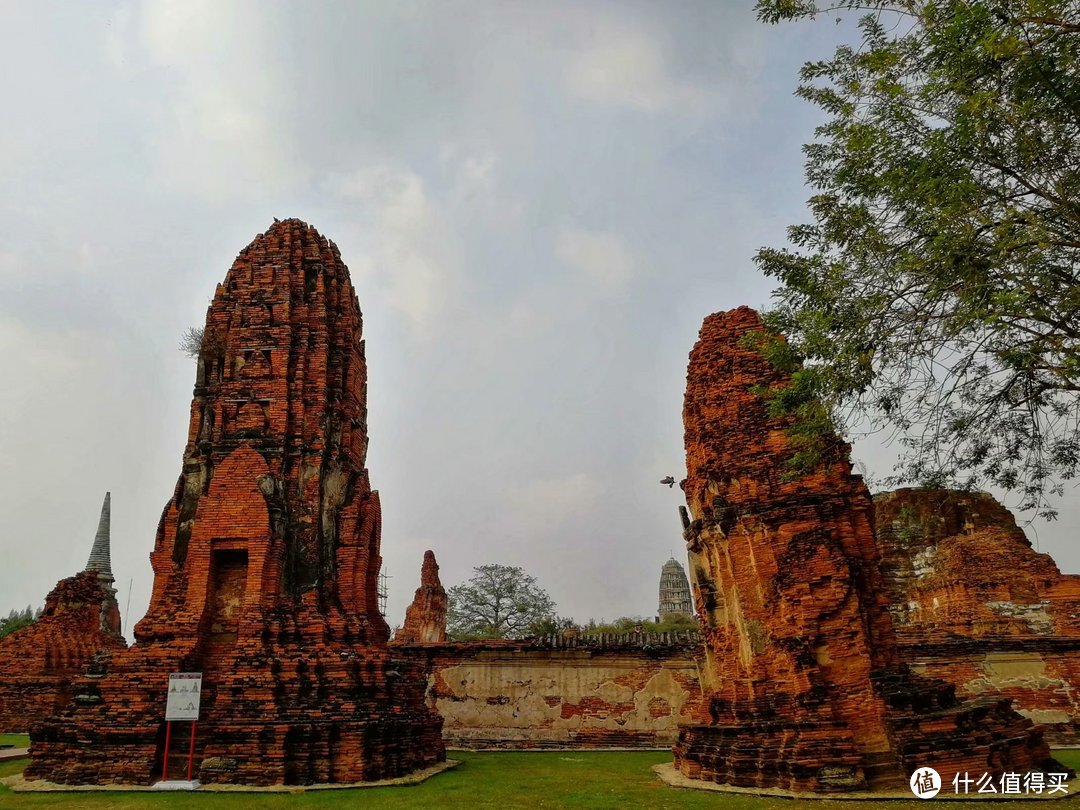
[
  {"x": 614, "y": 691},
  {"x": 975, "y": 605}
]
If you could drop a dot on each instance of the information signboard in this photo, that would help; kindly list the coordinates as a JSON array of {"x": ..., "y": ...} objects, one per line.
[{"x": 185, "y": 689}]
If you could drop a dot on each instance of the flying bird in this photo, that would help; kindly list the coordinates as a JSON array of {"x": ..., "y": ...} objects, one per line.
[{"x": 669, "y": 481}]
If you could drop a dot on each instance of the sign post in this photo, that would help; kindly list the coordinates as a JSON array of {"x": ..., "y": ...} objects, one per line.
[{"x": 181, "y": 703}]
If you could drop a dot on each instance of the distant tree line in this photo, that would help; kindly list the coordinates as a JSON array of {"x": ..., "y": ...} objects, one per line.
[
  {"x": 18, "y": 619},
  {"x": 503, "y": 602}
]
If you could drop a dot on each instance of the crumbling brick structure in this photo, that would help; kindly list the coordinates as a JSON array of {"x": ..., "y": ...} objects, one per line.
[
  {"x": 804, "y": 685},
  {"x": 425, "y": 618},
  {"x": 266, "y": 560},
  {"x": 974, "y": 604},
  {"x": 79, "y": 627}
]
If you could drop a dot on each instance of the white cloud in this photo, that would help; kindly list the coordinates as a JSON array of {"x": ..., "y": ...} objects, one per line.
[
  {"x": 413, "y": 253},
  {"x": 543, "y": 502},
  {"x": 472, "y": 173},
  {"x": 117, "y": 42},
  {"x": 222, "y": 137},
  {"x": 628, "y": 68},
  {"x": 601, "y": 256}
]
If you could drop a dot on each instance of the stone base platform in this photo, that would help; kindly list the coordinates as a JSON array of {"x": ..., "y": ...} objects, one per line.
[{"x": 18, "y": 784}]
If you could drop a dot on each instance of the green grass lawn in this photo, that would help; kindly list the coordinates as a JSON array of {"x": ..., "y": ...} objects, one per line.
[
  {"x": 18, "y": 740},
  {"x": 563, "y": 779}
]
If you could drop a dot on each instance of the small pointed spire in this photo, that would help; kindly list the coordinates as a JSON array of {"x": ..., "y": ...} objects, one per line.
[{"x": 100, "y": 560}]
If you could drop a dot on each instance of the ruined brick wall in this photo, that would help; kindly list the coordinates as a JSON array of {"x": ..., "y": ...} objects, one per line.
[
  {"x": 804, "y": 684},
  {"x": 616, "y": 691},
  {"x": 38, "y": 663},
  {"x": 266, "y": 560},
  {"x": 425, "y": 618},
  {"x": 1040, "y": 676},
  {"x": 974, "y": 604},
  {"x": 957, "y": 566}
]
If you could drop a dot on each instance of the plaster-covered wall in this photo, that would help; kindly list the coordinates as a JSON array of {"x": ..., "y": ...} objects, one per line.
[{"x": 627, "y": 691}]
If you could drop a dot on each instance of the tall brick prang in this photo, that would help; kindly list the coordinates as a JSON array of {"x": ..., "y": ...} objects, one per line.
[
  {"x": 675, "y": 599},
  {"x": 804, "y": 685},
  {"x": 79, "y": 623},
  {"x": 266, "y": 561},
  {"x": 425, "y": 618}
]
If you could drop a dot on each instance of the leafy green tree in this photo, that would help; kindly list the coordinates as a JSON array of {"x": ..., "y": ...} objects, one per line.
[
  {"x": 498, "y": 601},
  {"x": 17, "y": 620},
  {"x": 550, "y": 626},
  {"x": 936, "y": 291}
]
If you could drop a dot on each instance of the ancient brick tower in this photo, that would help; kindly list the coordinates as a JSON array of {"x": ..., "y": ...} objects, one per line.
[
  {"x": 80, "y": 620},
  {"x": 266, "y": 559},
  {"x": 674, "y": 591},
  {"x": 803, "y": 682},
  {"x": 425, "y": 618}
]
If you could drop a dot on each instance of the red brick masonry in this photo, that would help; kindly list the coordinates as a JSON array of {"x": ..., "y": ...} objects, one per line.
[
  {"x": 266, "y": 560},
  {"x": 805, "y": 687},
  {"x": 38, "y": 663},
  {"x": 974, "y": 604},
  {"x": 425, "y": 618}
]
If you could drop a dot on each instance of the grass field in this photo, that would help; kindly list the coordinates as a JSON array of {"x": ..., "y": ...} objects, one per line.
[{"x": 490, "y": 780}]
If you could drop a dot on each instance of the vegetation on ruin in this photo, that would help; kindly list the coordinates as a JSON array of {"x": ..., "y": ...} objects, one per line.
[
  {"x": 191, "y": 341},
  {"x": 18, "y": 619},
  {"x": 498, "y": 601},
  {"x": 497, "y": 780},
  {"x": 194, "y": 342},
  {"x": 936, "y": 293}
]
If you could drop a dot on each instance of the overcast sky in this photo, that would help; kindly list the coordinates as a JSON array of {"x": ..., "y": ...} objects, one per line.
[{"x": 538, "y": 202}]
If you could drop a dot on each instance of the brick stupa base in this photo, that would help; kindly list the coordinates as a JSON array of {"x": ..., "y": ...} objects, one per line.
[{"x": 295, "y": 712}]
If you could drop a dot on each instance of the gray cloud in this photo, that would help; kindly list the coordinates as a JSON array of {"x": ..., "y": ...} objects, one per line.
[{"x": 538, "y": 202}]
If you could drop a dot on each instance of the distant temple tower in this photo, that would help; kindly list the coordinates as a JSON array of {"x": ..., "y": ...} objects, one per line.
[
  {"x": 674, "y": 591},
  {"x": 100, "y": 563}
]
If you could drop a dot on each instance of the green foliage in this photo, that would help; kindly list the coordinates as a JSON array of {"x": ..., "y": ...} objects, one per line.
[
  {"x": 17, "y": 620},
  {"x": 630, "y": 624},
  {"x": 909, "y": 527},
  {"x": 937, "y": 290},
  {"x": 498, "y": 601},
  {"x": 550, "y": 626}
]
